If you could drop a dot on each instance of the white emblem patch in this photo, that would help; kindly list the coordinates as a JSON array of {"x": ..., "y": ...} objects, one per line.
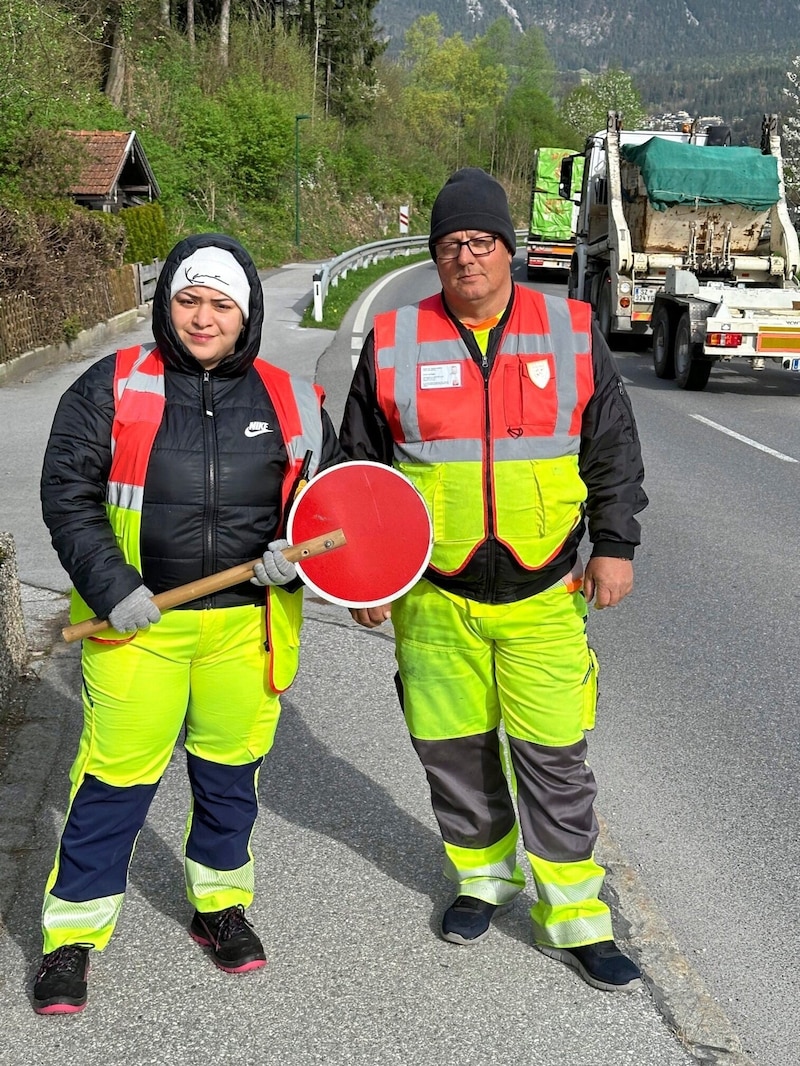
[
  {"x": 440, "y": 376},
  {"x": 255, "y": 429},
  {"x": 539, "y": 372}
]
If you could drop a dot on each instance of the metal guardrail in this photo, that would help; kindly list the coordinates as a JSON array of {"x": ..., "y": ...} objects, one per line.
[{"x": 365, "y": 255}]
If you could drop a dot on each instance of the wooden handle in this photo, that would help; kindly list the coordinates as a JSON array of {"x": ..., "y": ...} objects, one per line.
[{"x": 205, "y": 586}]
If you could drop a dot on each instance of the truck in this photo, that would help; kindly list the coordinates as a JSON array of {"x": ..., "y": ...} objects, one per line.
[
  {"x": 686, "y": 242},
  {"x": 553, "y": 213}
]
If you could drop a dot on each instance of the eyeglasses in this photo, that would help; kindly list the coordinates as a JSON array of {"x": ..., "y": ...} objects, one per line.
[{"x": 477, "y": 245}]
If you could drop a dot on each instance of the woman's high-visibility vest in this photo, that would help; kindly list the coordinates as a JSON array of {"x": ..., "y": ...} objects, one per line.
[
  {"x": 139, "y": 400},
  {"x": 498, "y": 457}
]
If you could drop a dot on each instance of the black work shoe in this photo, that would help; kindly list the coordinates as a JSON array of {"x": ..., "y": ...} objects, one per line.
[
  {"x": 60, "y": 986},
  {"x": 602, "y": 965},
  {"x": 233, "y": 943},
  {"x": 467, "y": 919}
]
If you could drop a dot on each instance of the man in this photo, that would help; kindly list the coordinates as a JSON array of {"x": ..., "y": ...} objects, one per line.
[{"x": 505, "y": 409}]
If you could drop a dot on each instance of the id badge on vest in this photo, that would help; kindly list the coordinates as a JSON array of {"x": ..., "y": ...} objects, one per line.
[{"x": 440, "y": 376}]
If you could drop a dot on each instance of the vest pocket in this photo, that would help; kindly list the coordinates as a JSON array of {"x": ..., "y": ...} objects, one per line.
[{"x": 530, "y": 396}]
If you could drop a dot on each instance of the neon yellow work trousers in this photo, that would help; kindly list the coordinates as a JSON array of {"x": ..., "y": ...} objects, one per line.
[
  {"x": 207, "y": 671},
  {"x": 465, "y": 668}
]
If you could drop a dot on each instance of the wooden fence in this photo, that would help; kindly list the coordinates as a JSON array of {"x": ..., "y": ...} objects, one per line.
[{"x": 24, "y": 327}]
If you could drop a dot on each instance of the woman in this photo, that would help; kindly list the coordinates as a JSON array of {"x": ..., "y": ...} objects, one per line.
[{"x": 165, "y": 465}]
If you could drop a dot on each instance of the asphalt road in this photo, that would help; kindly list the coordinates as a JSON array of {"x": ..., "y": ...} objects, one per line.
[
  {"x": 696, "y": 747},
  {"x": 693, "y": 751}
]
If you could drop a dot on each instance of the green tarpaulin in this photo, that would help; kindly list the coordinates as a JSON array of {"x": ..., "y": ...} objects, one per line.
[
  {"x": 677, "y": 173},
  {"x": 551, "y": 215}
]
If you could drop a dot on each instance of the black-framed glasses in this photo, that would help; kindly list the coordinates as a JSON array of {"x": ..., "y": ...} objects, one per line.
[{"x": 477, "y": 245}]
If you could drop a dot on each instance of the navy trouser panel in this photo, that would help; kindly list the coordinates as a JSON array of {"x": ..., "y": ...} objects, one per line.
[
  {"x": 224, "y": 810},
  {"x": 102, "y": 827}
]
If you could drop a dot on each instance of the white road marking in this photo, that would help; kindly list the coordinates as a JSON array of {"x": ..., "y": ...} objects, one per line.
[
  {"x": 356, "y": 339},
  {"x": 363, "y": 311},
  {"x": 745, "y": 440}
]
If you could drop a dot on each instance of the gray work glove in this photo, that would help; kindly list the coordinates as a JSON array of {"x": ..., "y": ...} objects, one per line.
[
  {"x": 136, "y": 611},
  {"x": 274, "y": 568}
]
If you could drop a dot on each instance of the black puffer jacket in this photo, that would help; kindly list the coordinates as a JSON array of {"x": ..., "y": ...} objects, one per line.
[{"x": 212, "y": 493}]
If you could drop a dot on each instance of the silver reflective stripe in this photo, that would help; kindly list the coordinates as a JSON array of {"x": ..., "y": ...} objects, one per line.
[
  {"x": 118, "y": 494},
  {"x": 147, "y": 382},
  {"x": 204, "y": 881},
  {"x": 152, "y": 383},
  {"x": 568, "y": 344},
  {"x": 82, "y": 919},
  {"x": 311, "y": 437},
  {"x": 502, "y": 872},
  {"x": 439, "y": 451},
  {"x": 511, "y": 449}
]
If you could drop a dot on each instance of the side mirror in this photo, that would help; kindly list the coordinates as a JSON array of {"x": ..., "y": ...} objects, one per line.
[{"x": 565, "y": 180}]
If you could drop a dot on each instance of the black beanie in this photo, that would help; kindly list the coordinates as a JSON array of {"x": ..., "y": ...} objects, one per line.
[{"x": 471, "y": 199}]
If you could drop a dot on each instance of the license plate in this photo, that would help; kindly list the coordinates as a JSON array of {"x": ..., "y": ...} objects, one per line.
[
  {"x": 795, "y": 365},
  {"x": 643, "y": 295}
]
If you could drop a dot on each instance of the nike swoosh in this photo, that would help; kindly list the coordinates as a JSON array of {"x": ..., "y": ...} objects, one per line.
[{"x": 256, "y": 432}]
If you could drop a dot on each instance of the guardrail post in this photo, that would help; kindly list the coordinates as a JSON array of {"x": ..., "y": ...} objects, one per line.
[{"x": 318, "y": 296}]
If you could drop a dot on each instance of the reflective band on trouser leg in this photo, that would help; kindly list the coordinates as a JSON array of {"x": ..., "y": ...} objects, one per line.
[
  {"x": 219, "y": 863},
  {"x": 492, "y": 874},
  {"x": 568, "y": 912}
]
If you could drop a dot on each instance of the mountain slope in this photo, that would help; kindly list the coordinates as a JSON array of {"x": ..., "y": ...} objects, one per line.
[{"x": 592, "y": 34}]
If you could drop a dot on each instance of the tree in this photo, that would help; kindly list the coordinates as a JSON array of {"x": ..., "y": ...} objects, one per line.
[
  {"x": 454, "y": 94},
  {"x": 224, "y": 32},
  {"x": 585, "y": 108}
]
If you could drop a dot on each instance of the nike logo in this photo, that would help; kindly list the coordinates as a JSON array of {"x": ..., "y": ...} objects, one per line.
[{"x": 255, "y": 429}]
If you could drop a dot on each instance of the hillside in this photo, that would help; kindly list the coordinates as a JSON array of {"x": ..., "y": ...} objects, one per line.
[
  {"x": 594, "y": 33},
  {"x": 705, "y": 57}
]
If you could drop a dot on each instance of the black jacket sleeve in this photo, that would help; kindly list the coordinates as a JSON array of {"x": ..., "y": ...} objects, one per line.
[
  {"x": 364, "y": 432},
  {"x": 611, "y": 460},
  {"x": 75, "y": 470},
  {"x": 332, "y": 451}
]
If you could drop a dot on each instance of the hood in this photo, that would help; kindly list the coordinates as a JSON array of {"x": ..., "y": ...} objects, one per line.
[{"x": 173, "y": 351}]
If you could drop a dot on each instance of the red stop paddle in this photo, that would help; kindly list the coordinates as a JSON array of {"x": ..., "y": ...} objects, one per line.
[{"x": 387, "y": 526}]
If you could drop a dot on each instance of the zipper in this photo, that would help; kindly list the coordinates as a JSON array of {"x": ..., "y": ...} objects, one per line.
[
  {"x": 491, "y": 542},
  {"x": 210, "y": 447}
]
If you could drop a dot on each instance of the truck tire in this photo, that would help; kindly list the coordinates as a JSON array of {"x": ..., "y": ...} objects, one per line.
[
  {"x": 663, "y": 344},
  {"x": 691, "y": 372},
  {"x": 572, "y": 281}
]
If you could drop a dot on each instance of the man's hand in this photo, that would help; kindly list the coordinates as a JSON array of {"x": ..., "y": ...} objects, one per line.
[
  {"x": 372, "y": 617},
  {"x": 607, "y": 581}
]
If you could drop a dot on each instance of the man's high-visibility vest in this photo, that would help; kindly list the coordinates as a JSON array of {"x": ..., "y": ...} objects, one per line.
[{"x": 496, "y": 457}]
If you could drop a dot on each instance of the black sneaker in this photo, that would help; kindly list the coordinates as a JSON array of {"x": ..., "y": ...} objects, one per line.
[
  {"x": 467, "y": 919},
  {"x": 234, "y": 945},
  {"x": 60, "y": 986},
  {"x": 601, "y": 965}
]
